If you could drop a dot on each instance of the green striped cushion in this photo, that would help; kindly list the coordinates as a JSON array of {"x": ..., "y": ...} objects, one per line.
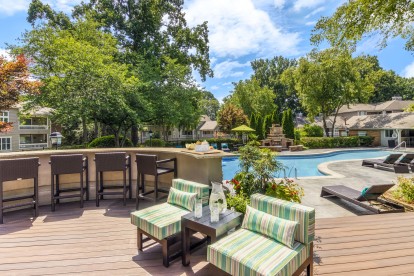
[
  {"x": 304, "y": 215},
  {"x": 281, "y": 230},
  {"x": 160, "y": 221},
  {"x": 182, "y": 199},
  {"x": 202, "y": 190},
  {"x": 245, "y": 252}
]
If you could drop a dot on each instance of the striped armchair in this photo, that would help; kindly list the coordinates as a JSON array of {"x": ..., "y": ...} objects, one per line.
[
  {"x": 246, "y": 252},
  {"x": 162, "y": 222}
]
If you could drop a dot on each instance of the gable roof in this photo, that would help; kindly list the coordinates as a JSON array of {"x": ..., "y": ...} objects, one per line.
[
  {"x": 394, "y": 105},
  {"x": 401, "y": 120},
  {"x": 209, "y": 126}
]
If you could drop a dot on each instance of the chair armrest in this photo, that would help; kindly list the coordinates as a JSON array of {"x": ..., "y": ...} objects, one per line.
[{"x": 167, "y": 160}]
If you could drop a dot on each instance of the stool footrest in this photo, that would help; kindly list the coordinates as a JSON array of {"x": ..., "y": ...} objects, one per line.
[
  {"x": 17, "y": 198},
  {"x": 19, "y": 205}
]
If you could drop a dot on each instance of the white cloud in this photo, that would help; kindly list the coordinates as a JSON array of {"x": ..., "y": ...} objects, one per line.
[
  {"x": 306, "y": 4},
  {"x": 10, "y": 7},
  {"x": 408, "y": 71},
  {"x": 316, "y": 11},
  {"x": 310, "y": 23},
  {"x": 214, "y": 87},
  {"x": 226, "y": 69},
  {"x": 238, "y": 28},
  {"x": 5, "y": 53},
  {"x": 279, "y": 3}
]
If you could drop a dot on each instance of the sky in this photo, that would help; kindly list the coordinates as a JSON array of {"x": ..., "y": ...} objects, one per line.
[{"x": 240, "y": 31}]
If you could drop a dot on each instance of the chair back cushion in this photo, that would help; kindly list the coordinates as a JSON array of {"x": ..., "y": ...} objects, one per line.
[
  {"x": 279, "y": 229},
  {"x": 202, "y": 190},
  {"x": 182, "y": 199},
  {"x": 304, "y": 215}
]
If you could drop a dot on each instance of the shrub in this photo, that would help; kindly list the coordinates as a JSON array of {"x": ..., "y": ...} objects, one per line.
[
  {"x": 155, "y": 143},
  {"x": 312, "y": 131},
  {"x": 336, "y": 142},
  {"x": 285, "y": 189},
  {"x": 238, "y": 201},
  {"x": 405, "y": 189},
  {"x": 108, "y": 142}
]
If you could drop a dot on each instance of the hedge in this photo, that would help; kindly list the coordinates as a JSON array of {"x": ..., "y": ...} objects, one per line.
[
  {"x": 108, "y": 142},
  {"x": 337, "y": 142},
  {"x": 154, "y": 143}
]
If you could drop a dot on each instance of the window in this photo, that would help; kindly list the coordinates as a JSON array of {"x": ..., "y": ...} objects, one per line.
[
  {"x": 4, "y": 116},
  {"x": 361, "y": 113},
  {"x": 5, "y": 143},
  {"x": 187, "y": 132},
  {"x": 362, "y": 133},
  {"x": 336, "y": 132},
  {"x": 388, "y": 133}
]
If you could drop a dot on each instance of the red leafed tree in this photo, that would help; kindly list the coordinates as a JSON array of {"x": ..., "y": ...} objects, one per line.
[{"x": 14, "y": 81}]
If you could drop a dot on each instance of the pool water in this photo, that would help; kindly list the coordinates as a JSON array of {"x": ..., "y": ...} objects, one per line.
[{"x": 306, "y": 165}]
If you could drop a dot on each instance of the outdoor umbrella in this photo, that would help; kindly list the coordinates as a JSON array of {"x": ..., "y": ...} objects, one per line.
[{"x": 242, "y": 129}]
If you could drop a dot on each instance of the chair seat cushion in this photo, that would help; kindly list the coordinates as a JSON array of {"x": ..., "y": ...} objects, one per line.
[
  {"x": 160, "y": 221},
  {"x": 245, "y": 252}
]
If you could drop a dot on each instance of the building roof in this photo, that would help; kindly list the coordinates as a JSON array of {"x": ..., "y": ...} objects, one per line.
[
  {"x": 401, "y": 120},
  {"x": 394, "y": 105},
  {"x": 209, "y": 126},
  {"x": 204, "y": 118}
]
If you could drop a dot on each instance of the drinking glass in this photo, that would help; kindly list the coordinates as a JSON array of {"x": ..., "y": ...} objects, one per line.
[
  {"x": 198, "y": 210},
  {"x": 215, "y": 212}
]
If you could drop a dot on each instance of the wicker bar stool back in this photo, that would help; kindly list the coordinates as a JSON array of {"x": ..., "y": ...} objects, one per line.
[
  {"x": 113, "y": 161},
  {"x": 68, "y": 164},
  {"x": 17, "y": 169},
  {"x": 148, "y": 164}
]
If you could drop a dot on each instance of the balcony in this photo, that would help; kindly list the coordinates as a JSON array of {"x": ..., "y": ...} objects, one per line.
[
  {"x": 33, "y": 146},
  {"x": 33, "y": 126}
]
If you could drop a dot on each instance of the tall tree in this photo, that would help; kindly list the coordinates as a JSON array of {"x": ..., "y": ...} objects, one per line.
[
  {"x": 288, "y": 125},
  {"x": 81, "y": 76},
  {"x": 268, "y": 72},
  {"x": 327, "y": 80},
  {"x": 230, "y": 116},
  {"x": 14, "y": 82},
  {"x": 357, "y": 19},
  {"x": 253, "y": 98},
  {"x": 209, "y": 105}
]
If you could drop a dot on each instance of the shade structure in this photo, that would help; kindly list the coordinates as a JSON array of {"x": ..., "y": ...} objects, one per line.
[{"x": 243, "y": 128}]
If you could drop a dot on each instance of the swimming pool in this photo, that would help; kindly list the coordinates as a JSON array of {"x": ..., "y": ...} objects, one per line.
[{"x": 306, "y": 165}]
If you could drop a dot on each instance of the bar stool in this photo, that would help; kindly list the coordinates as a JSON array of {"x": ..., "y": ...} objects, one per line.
[
  {"x": 68, "y": 164},
  {"x": 113, "y": 161},
  {"x": 18, "y": 169},
  {"x": 148, "y": 164}
]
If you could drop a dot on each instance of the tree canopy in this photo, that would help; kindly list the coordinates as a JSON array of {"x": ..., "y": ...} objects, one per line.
[
  {"x": 357, "y": 19},
  {"x": 230, "y": 116},
  {"x": 329, "y": 79}
]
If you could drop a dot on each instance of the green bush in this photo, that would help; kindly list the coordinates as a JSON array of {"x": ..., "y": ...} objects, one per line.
[
  {"x": 238, "y": 201},
  {"x": 108, "y": 142},
  {"x": 336, "y": 142},
  {"x": 405, "y": 189},
  {"x": 312, "y": 131},
  {"x": 155, "y": 143}
]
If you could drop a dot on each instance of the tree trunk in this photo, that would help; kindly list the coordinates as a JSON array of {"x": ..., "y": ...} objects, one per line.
[
  {"x": 116, "y": 134},
  {"x": 96, "y": 129},
  {"x": 134, "y": 134},
  {"x": 325, "y": 126},
  {"x": 84, "y": 131}
]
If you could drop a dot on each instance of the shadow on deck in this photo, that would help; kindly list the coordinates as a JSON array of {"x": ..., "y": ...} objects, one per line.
[{"x": 103, "y": 241}]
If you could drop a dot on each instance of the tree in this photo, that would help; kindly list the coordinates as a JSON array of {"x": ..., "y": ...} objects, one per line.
[
  {"x": 14, "y": 82},
  {"x": 288, "y": 125},
  {"x": 253, "y": 98},
  {"x": 410, "y": 108},
  {"x": 230, "y": 116},
  {"x": 357, "y": 19},
  {"x": 327, "y": 80},
  {"x": 268, "y": 73},
  {"x": 209, "y": 104},
  {"x": 81, "y": 76}
]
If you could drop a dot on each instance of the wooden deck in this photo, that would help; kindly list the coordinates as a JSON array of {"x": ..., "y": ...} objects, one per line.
[{"x": 101, "y": 241}]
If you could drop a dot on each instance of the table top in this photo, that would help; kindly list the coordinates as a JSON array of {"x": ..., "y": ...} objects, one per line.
[{"x": 227, "y": 217}]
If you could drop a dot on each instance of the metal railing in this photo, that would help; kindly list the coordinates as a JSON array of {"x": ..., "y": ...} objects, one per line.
[
  {"x": 400, "y": 145},
  {"x": 33, "y": 127},
  {"x": 33, "y": 146}
]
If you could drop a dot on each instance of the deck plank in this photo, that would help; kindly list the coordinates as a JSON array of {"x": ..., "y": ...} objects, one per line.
[{"x": 102, "y": 241}]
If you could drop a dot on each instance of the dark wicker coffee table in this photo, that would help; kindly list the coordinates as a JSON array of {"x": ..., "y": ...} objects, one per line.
[{"x": 190, "y": 224}]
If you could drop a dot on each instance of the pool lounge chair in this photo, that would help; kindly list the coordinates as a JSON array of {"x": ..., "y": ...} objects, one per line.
[
  {"x": 387, "y": 162},
  {"x": 225, "y": 147},
  {"x": 371, "y": 195}
]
